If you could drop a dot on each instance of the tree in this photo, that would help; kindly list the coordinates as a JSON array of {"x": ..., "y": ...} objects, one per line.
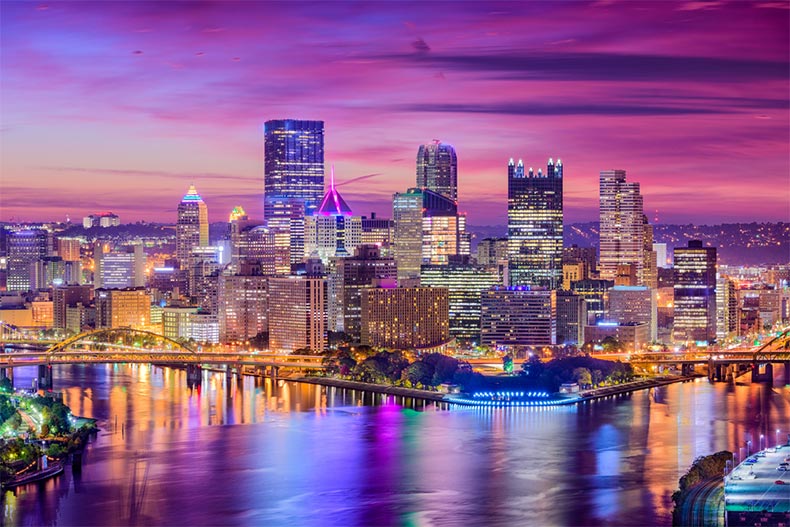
[
  {"x": 507, "y": 363},
  {"x": 582, "y": 376},
  {"x": 418, "y": 372},
  {"x": 597, "y": 377},
  {"x": 6, "y": 386},
  {"x": 611, "y": 345}
]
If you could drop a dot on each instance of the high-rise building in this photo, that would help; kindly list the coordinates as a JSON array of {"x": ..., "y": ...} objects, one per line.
[
  {"x": 243, "y": 307},
  {"x": 205, "y": 264},
  {"x": 123, "y": 307},
  {"x": 726, "y": 308},
  {"x": 661, "y": 255},
  {"x": 378, "y": 231},
  {"x": 587, "y": 255},
  {"x": 649, "y": 276},
  {"x": 405, "y": 317},
  {"x": 695, "y": 293},
  {"x": 24, "y": 249},
  {"x": 293, "y": 166},
  {"x": 69, "y": 249},
  {"x": 573, "y": 272},
  {"x": 119, "y": 269},
  {"x": 464, "y": 283},
  {"x": 571, "y": 318},
  {"x": 491, "y": 251},
  {"x": 333, "y": 230},
  {"x": 518, "y": 316},
  {"x": 407, "y": 241},
  {"x": 622, "y": 225},
  {"x": 629, "y": 304},
  {"x": 350, "y": 277},
  {"x": 535, "y": 222},
  {"x": 68, "y": 296},
  {"x": 191, "y": 227},
  {"x": 297, "y": 313},
  {"x": 437, "y": 169},
  {"x": 596, "y": 296}
]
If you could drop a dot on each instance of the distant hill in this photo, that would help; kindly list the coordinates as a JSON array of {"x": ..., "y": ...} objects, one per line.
[{"x": 737, "y": 243}]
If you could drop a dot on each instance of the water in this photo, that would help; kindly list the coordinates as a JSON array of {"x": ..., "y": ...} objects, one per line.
[{"x": 277, "y": 453}]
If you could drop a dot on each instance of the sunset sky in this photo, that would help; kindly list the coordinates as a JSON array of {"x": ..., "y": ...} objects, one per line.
[{"x": 121, "y": 105}]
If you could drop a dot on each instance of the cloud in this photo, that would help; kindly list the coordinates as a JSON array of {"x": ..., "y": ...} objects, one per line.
[
  {"x": 152, "y": 173},
  {"x": 525, "y": 108},
  {"x": 421, "y": 46}
]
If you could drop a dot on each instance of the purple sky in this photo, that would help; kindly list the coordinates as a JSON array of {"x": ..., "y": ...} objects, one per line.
[{"x": 121, "y": 105}]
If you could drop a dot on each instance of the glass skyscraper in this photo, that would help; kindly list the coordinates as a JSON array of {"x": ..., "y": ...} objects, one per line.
[
  {"x": 535, "y": 222},
  {"x": 437, "y": 169},
  {"x": 293, "y": 168},
  {"x": 622, "y": 230},
  {"x": 191, "y": 227},
  {"x": 695, "y": 293}
]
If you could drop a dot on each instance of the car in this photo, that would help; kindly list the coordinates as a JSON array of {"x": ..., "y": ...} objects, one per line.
[
  {"x": 782, "y": 469},
  {"x": 779, "y": 482}
]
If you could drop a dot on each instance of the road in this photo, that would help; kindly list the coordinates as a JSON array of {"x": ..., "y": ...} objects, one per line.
[{"x": 704, "y": 505}]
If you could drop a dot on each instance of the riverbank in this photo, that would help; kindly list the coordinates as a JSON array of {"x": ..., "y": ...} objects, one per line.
[{"x": 587, "y": 395}]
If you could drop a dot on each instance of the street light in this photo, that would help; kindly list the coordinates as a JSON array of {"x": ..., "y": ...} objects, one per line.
[
  {"x": 761, "y": 441},
  {"x": 777, "y": 438},
  {"x": 748, "y": 448}
]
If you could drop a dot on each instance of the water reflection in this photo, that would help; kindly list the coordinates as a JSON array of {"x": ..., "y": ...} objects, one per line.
[{"x": 256, "y": 451}]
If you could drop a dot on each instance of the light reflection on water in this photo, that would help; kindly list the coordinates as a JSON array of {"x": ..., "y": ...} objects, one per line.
[{"x": 312, "y": 455}]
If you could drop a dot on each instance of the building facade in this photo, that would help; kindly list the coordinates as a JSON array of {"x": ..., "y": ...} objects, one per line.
[
  {"x": 437, "y": 169},
  {"x": 405, "y": 317},
  {"x": 518, "y": 316},
  {"x": 622, "y": 225},
  {"x": 24, "y": 249},
  {"x": 243, "y": 307},
  {"x": 191, "y": 226},
  {"x": 629, "y": 304},
  {"x": 535, "y": 225},
  {"x": 695, "y": 293},
  {"x": 297, "y": 314},
  {"x": 123, "y": 307}
]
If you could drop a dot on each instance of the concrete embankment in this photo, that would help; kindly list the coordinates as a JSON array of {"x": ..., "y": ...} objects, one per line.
[
  {"x": 598, "y": 393},
  {"x": 375, "y": 388}
]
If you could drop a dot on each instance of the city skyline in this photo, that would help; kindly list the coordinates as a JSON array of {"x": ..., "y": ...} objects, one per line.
[{"x": 141, "y": 100}]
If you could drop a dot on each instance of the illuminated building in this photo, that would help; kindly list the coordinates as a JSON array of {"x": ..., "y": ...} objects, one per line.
[
  {"x": 695, "y": 293},
  {"x": 586, "y": 255},
  {"x": 68, "y": 296},
  {"x": 635, "y": 304},
  {"x": 351, "y": 276},
  {"x": 205, "y": 264},
  {"x": 464, "y": 284},
  {"x": 119, "y": 269},
  {"x": 626, "y": 274},
  {"x": 190, "y": 323},
  {"x": 649, "y": 276},
  {"x": 726, "y": 308},
  {"x": 53, "y": 271},
  {"x": 633, "y": 335},
  {"x": 43, "y": 312},
  {"x": 573, "y": 272},
  {"x": 237, "y": 222},
  {"x": 518, "y": 316},
  {"x": 437, "y": 169},
  {"x": 168, "y": 282},
  {"x": 293, "y": 178},
  {"x": 24, "y": 248},
  {"x": 428, "y": 230},
  {"x": 405, "y": 317},
  {"x": 243, "y": 307},
  {"x": 297, "y": 313},
  {"x": 101, "y": 219},
  {"x": 661, "y": 255},
  {"x": 69, "y": 249},
  {"x": 191, "y": 227},
  {"x": 535, "y": 222},
  {"x": 571, "y": 318},
  {"x": 622, "y": 225},
  {"x": 333, "y": 230},
  {"x": 491, "y": 251},
  {"x": 596, "y": 295},
  {"x": 117, "y": 308},
  {"x": 377, "y": 231}
]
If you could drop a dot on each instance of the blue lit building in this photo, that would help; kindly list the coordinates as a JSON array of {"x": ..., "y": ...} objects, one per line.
[{"x": 24, "y": 249}]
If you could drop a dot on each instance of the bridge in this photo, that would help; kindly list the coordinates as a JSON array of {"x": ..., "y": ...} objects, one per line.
[{"x": 134, "y": 346}]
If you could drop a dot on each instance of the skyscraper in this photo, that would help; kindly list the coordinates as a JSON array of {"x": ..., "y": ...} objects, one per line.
[
  {"x": 437, "y": 169},
  {"x": 534, "y": 210},
  {"x": 293, "y": 168},
  {"x": 622, "y": 229},
  {"x": 695, "y": 293},
  {"x": 192, "y": 226},
  {"x": 407, "y": 236},
  {"x": 333, "y": 230},
  {"x": 25, "y": 248}
]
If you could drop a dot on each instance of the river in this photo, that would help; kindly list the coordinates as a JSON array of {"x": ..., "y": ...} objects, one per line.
[{"x": 263, "y": 452}]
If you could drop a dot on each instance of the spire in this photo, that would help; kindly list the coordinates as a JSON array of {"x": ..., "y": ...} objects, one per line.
[
  {"x": 333, "y": 203},
  {"x": 192, "y": 195}
]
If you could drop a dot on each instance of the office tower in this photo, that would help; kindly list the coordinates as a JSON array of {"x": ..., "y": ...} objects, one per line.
[
  {"x": 622, "y": 229},
  {"x": 259, "y": 253},
  {"x": 464, "y": 283},
  {"x": 293, "y": 167},
  {"x": 191, "y": 227},
  {"x": 633, "y": 335},
  {"x": 168, "y": 283},
  {"x": 120, "y": 268},
  {"x": 726, "y": 308},
  {"x": 595, "y": 294},
  {"x": 517, "y": 316},
  {"x": 69, "y": 249},
  {"x": 351, "y": 276},
  {"x": 534, "y": 212},
  {"x": 243, "y": 307},
  {"x": 437, "y": 169},
  {"x": 626, "y": 274},
  {"x": 378, "y": 231},
  {"x": 428, "y": 230},
  {"x": 407, "y": 241},
  {"x": 661, "y": 255},
  {"x": 695, "y": 293},
  {"x": 123, "y": 307},
  {"x": 297, "y": 314},
  {"x": 649, "y": 276},
  {"x": 573, "y": 272},
  {"x": 48, "y": 272},
  {"x": 491, "y": 251},
  {"x": 333, "y": 230},
  {"x": 571, "y": 318},
  {"x": 628, "y": 304},
  {"x": 68, "y": 296},
  {"x": 190, "y": 323},
  {"x": 405, "y": 317},
  {"x": 587, "y": 255},
  {"x": 237, "y": 222},
  {"x": 204, "y": 267},
  {"x": 24, "y": 248},
  {"x": 101, "y": 219}
]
